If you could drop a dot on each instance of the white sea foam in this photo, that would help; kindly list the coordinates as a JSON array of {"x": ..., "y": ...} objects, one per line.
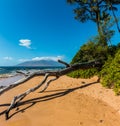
[{"x": 10, "y": 80}]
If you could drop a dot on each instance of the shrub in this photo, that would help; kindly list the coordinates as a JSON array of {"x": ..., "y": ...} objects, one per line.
[
  {"x": 84, "y": 73},
  {"x": 91, "y": 51},
  {"x": 110, "y": 74}
]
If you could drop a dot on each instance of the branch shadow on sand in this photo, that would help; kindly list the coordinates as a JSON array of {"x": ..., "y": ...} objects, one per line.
[{"x": 31, "y": 102}]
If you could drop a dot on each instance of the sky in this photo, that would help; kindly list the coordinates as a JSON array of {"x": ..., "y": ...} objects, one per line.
[{"x": 41, "y": 29}]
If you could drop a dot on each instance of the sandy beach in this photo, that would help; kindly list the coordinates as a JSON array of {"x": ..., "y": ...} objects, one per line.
[{"x": 66, "y": 102}]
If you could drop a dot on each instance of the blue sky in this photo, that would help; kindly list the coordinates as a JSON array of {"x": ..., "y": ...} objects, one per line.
[{"x": 40, "y": 29}]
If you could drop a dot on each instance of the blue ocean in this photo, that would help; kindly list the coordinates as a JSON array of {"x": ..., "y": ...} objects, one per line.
[{"x": 9, "y": 74}]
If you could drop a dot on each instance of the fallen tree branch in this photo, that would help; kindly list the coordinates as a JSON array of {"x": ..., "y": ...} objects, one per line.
[
  {"x": 20, "y": 72},
  {"x": 56, "y": 74},
  {"x": 64, "y": 71},
  {"x": 66, "y": 64},
  {"x": 47, "y": 83},
  {"x": 21, "y": 81}
]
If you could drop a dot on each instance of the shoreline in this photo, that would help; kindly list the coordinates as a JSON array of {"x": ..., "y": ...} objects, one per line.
[
  {"x": 5, "y": 81},
  {"x": 67, "y": 102}
]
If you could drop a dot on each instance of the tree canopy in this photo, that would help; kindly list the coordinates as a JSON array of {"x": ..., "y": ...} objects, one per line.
[{"x": 98, "y": 11}]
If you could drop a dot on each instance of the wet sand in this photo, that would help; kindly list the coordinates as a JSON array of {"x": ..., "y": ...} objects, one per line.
[
  {"x": 66, "y": 102},
  {"x": 10, "y": 80}
]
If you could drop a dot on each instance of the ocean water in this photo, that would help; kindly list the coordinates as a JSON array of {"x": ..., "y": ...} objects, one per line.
[{"x": 9, "y": 75}]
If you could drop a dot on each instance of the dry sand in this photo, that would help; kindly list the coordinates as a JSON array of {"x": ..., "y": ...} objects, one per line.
[{"x": 67, "y": 102}]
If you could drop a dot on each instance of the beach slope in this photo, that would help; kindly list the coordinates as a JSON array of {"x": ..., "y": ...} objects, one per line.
[{"x": 66, "y": 102}]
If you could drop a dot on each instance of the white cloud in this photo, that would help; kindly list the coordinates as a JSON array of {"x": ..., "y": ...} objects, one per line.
[
  {"x": 48, "y": 58},
  {"x": 7, "y": 58},
  {"x": 42, "y": 58},
  {"x": 25, "y": 42},
  {"x": 23, "y": 60}
]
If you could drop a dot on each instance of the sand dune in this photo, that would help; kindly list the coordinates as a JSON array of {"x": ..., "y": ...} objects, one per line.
[{"x": 67, "y": 102}]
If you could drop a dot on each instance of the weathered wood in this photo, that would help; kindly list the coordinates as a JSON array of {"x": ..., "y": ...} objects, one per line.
[
  {"x": 6, "y": 88},
  {"x": 66, "y": 64},
  {"x": 56, "y": 74},
  {"x": 64, "y": 71},
  {"x": 47, "y": 83}
]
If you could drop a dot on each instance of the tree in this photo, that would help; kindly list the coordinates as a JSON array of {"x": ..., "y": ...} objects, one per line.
[{"x": 97, "y": 11}]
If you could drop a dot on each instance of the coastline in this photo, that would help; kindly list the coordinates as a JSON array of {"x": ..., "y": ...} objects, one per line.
[
  {"x": 7, "y": 80},
  {"x": 67, "y": 101}
]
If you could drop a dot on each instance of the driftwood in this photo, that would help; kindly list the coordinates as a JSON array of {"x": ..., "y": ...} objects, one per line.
[{"x": 56, "y": 74}]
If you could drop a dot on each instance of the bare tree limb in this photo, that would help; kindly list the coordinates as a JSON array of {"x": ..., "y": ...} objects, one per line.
[
  {"x": 57, "y": 74},
  {"x": 21, "y": 96},
  {"x": 20, "y": 72},
  {"x": 21, "y": 81},
  {"x": 64, "y": 71},
  {"x": 47, "y": 83},
  {"x": 66, "y": 64}
]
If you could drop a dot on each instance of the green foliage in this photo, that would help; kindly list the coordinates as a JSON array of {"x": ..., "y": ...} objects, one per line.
[
  {"x": 113, "y": 49},
  {"x": 84, "y": 73},
  {"x": 110, "y": 74},
  {"x": 92, "y": 50},
  {"x": 96, "y": 11}
]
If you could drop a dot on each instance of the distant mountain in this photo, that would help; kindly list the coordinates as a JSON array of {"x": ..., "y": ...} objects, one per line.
[{"x": 42, "y": 63}]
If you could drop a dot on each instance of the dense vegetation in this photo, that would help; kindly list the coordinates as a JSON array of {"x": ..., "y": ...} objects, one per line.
[
  {"x": 88, "y": 53},
  {"x": 110, "y": 73},
  {"x": 100, "y": 47}
]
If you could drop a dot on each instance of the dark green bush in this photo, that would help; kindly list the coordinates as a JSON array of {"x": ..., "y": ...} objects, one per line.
[
  {"x": 110, "y": 74},
  {"x": 91, "y": 51},
  {"x": 84, "y": 73}
]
